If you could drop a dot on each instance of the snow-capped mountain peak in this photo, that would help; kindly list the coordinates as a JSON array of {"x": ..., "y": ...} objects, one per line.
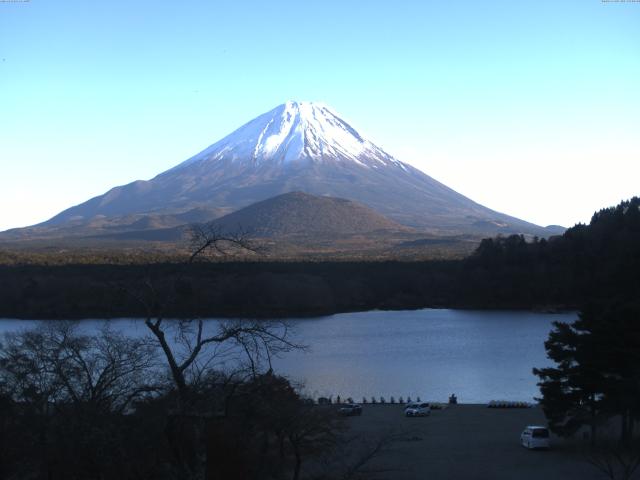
[
  {"x": 291, "y": 132},
  {"x": 298, "y": 146}
]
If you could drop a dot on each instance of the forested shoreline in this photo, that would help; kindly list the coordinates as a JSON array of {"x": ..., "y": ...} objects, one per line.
[
  {"x": 268, "y": 289},
  {"x": 588, "y": 262}
]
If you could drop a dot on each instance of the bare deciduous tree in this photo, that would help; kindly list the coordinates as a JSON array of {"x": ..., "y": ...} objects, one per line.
[
  {"x": 187, "y": 345},
  {"x": 55, "y": 363},
  {"x": 353, "y": 457},
  {"x": 259, "y": 341},
  {"x": 208, "y": 239},
  {"x": 68, "y": 393},
  {"x": 615, "y": 460}
]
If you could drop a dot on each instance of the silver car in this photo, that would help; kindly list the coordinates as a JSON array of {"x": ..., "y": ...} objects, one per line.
[
  {"x": 417, "y": 410},
  {"x": 350, "y": 409}
]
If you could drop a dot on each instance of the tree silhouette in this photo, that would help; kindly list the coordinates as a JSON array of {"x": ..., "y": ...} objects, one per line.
[{"x": 598, "y": 370}]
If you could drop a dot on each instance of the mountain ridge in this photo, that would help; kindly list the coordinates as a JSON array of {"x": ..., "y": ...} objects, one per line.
[{"x": 299, "y": 146}]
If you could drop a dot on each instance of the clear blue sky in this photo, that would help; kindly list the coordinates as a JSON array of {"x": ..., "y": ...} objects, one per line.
[{"x": 529, "y": 107}]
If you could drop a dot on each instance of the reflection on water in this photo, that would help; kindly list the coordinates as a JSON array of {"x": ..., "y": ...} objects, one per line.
[{"x": 478, "y": 355}]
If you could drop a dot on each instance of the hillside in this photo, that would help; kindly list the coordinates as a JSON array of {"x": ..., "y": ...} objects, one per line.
[{"x": 301, "y": 214}]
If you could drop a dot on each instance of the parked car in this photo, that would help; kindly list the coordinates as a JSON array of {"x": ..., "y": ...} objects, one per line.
[
  {"x": 417, "y": 410},
  {"x": 349, "y": 409},
  {"x": 535, "y": 436}
]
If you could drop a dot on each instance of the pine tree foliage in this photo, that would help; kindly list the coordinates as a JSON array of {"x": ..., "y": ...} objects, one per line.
[{"x": 597, "y": 372}]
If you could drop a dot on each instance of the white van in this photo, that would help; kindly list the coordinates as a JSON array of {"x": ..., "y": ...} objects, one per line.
[{"x": 535, "y": 436}]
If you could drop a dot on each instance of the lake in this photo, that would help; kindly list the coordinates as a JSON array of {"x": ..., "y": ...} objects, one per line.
[{"x": 431, "y": 353}]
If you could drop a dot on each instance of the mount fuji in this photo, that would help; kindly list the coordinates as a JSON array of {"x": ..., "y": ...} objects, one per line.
[{"x": 297, "y": 146}]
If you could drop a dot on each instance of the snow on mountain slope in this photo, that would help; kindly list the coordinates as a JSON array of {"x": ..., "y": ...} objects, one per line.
[
  {"x": 300, "y": 146},
  {"x": 292, "y": 132}
]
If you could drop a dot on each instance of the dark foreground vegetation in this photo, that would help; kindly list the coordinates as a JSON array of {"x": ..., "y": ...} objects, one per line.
[
  {"x": 600, "y": 260},
  {"x": 112, "y": 407}
]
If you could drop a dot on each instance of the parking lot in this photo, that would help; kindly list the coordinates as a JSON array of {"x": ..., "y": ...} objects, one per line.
[{"x": 468, "y": 442}]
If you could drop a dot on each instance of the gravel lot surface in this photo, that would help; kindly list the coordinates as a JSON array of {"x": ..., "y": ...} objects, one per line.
[{"x": 470, "y": 442}]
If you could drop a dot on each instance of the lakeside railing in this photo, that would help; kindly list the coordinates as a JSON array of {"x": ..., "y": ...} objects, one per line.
[{"x": 381, "y": 400}]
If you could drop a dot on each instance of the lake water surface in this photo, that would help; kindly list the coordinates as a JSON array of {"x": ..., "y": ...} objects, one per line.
[{"x": 431, "y": 353}]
